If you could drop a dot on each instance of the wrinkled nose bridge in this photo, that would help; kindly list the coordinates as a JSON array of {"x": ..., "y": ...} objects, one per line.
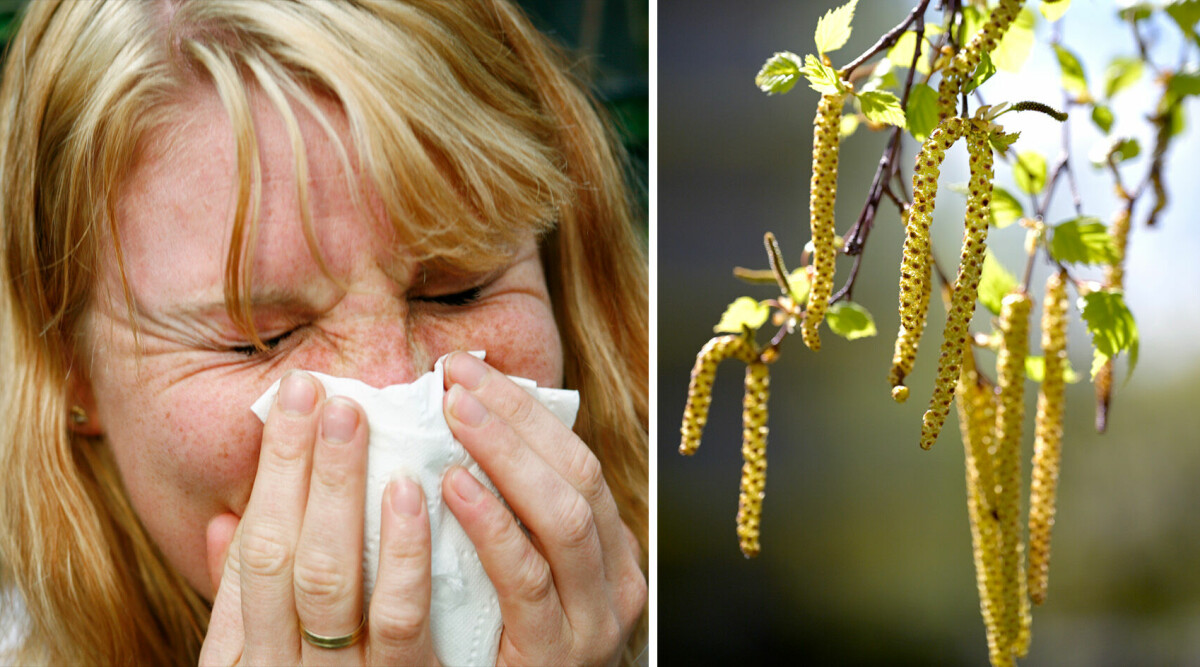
[{"x": 373, "y": 343}]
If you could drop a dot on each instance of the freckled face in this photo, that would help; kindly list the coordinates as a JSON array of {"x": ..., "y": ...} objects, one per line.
[{"x": 177, "y": 416}]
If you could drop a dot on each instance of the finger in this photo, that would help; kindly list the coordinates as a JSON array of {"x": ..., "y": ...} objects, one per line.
[
  {"x": 223, "y": 640},
  {"x": 271, "y": 524},
  {"x": 559, "y": 518},
  {"x": 399, "y": 618},
  {"x": 328, "y": 564},
  {"x": 525, "y": 585},
  {"x": 554, "y": 442}
]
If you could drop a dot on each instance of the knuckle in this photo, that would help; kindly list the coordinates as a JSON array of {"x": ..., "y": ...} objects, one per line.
[
  {"x": 533, "y": 580},
  {"x": 588, "y": 476},
  {"x": 576, "y": 525},
  {"x": 398, "y": 624},
  {"x": 319, "y": 578},
  {"x": 264, "y": 553}
]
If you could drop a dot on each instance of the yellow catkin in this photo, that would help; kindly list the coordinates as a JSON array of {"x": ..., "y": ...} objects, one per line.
[
  {"x": 695, "y": 413},
  {"x": 821, "y": 199},
  {"x": 916, "y": 263},
  {"x": 1047, "y": 448},
  {"x": 966, "y": 284},
  {"x": 754, "y": 453},
  {"x": 1010, "y": 415},
  {"x": 963, "y": 65},
  {"x": 976, "y": 401}
]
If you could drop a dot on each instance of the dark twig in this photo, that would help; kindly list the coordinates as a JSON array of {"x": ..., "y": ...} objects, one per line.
[{"x": 888, "y": 39}]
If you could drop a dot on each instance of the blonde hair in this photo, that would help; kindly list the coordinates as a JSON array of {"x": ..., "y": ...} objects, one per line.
[{"x": 471, "y": 132}]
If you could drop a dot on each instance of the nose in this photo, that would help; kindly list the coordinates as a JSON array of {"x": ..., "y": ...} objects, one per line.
[{"x": 370, "y": 338}]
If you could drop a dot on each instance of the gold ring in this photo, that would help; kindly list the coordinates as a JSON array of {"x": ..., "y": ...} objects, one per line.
[{"x": 321, "y": 641}]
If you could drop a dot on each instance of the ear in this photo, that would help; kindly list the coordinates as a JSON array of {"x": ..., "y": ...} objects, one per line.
[{"x": 82, "y": 417}]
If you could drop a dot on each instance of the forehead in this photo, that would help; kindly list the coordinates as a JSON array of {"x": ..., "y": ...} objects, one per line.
[{"x": 176, "y": 207}]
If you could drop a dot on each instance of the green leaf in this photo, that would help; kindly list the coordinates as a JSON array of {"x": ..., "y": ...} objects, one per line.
[
  {"x": 1122, "y": 72},
  {"x": 880, "y": 106},
  {"x": 972, "y": 21},
  {"x": 799, "y": 284},
  {"x": 1000, "y": 141},
  {"x": 833, "y": 29},
  {"x": 1102, "y": 116},
  {"x": 821, "y": 77},
  {"x": 743, "y": 312},
  {"x": 1054, "y": 11},
  {"x": 850, "y": 320},
  {"x": 1176, "y": 120},
  {"x": 779, "y": 73},
  {"x": 983, "y": 71},
  {"x": 1005, "y": 209},
  {"x": 1135, "y": 11},
  {"x": 1082, "y": 240},
  {"x": 1118, "y": 149},
  {"x": 1182, "y": 84},
  {"x": 921, "y": 114},
  {"x": 901, "y": 53},
  {"x": 1030, "y": 171},
  {"x": 1110, "y": 323},
  {"x": 1186, "y": 13},
  {"x": 1073, "y": 78},
  {"x": 1013, "y": 50},
  {"x": 848, "y": 125},
  {"x": 1035, "y": 369},
  {"x": 995, "y": 282}
]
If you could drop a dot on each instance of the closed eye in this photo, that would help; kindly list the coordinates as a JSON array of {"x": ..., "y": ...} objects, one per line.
[
  {"x": 463, "y": 298},
  {"x": 268, "y": 345}
]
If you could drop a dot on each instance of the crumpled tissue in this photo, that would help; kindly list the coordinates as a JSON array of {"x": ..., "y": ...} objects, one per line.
[{"x": 409, "y": 436}]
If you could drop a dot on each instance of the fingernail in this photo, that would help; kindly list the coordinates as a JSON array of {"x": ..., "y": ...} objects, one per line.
[
  {"x": 298, "y": 393},
  {"x": 406, "y": 497},
  {"x": 465, "y": 407},
  {"x": 339, "y": 421},
  {"x": 465, "y": 485},
  {"x": 466, "y": 370}
]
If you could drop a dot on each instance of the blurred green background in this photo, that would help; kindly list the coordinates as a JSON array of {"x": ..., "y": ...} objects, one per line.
[{"x": 866, "y": 551}]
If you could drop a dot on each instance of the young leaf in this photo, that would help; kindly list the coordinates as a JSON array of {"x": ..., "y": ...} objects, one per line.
[
  {"x": 1184, "y": 83},
  {"x": 1186, "y": 13},
  {"x": 1135, "y": 11},
  {"x": 1035, "y": 369},
  {"x": 1054, "y": 11},
  {"x": 1122, "y": 72},
  {"x": 847, "y": 125},
  {"x": 1118, "y": 149},
  {"x": 799, "y": 283},
  {"x": 779, "y": 73},
  {"x": 1013, "y": 50},
  {"x": 995, "y": 282},
  {"x": 833, "y": 29},
  {"x": 1110, "y": 323},
  {"x": 880, "y": 106},
  {"x": 983, "y": 71},
  {"x": 821, "y": 77},
  {"x": 901, "y": 53},
  {"x": 1073, "y": 78},
  {"x": 744, "y": 311},
  {"x": 1102, "y": 116},
  {"x": 1082, "y": 240},
  {"x": 850, "y": 320},
  {"x": 921, "y": 114},
  {"x": 1030, "y": 171},
  {"x": 1005, "y": 208},
  {"x": 1000, "y": 141}
]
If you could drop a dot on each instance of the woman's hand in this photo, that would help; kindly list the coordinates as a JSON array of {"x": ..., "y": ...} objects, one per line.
[
  {"x": 295, "y": 557},
  {"x": 571, "y": 592}
]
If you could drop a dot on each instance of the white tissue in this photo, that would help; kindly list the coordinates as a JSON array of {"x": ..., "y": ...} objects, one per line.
[{"x": 409, "y": 436}]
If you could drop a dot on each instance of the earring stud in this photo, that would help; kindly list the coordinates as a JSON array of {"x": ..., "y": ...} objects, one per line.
[{"x": 79, "y": 416}]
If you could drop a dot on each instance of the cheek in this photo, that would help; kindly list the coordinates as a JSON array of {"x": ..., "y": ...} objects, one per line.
[
  {"x": 186, "y": 453},
  {"x": 520, "y": 338}
]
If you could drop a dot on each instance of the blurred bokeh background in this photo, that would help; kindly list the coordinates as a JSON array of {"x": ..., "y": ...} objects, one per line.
[{"x": 866, "y": 551}]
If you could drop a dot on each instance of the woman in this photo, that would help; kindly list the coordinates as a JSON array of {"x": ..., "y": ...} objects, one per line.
[{"x": 200, "y": 197}]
